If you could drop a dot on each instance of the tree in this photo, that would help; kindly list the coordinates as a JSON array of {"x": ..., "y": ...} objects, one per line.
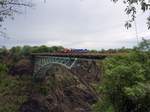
[
  {"x": 126, "y": 83},
  {"x": 145, "y": 45},
  {"x": 132, "y": 9},
  {"x": 10, "y": 7}
]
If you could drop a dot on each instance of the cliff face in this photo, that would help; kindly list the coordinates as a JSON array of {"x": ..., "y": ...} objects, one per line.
[{"x": 64, "y": 90}]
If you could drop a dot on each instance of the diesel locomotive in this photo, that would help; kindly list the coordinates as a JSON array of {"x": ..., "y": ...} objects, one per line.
[{"x": 66, "y": 50}]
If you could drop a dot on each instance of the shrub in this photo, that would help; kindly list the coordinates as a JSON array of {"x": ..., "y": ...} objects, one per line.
[
  {"x": 126, "y": 84},
  {"x": 22, "y": 67},
  {"x": 3, "y": 68}
]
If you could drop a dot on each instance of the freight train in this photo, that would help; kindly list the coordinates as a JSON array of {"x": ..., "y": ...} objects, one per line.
[{"x": 66, "y": 50}]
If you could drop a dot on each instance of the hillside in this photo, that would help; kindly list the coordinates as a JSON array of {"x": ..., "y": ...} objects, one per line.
[{"x": 62, "y": 90}]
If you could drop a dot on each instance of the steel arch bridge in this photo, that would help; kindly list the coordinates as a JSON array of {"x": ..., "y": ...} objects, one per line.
[{"x": 43, "y": 61}]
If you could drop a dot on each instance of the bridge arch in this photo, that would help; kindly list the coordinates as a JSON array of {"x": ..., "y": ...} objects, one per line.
[{"x": 42, "y": 64}]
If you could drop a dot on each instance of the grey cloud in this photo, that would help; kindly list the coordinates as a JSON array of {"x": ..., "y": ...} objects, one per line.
[{"x": 92, "y": 24}]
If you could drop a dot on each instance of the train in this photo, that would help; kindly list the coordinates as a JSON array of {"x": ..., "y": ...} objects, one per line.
[{"x": 66, "y": 50}]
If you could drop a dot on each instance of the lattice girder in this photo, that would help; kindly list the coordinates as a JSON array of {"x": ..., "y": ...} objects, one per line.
[{"x": 42, "y": 63}]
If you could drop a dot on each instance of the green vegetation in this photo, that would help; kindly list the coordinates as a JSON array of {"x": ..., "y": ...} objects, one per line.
[
  {"x": 126, "y": 82},
  {"x": 11, "y": 57},
  {"x": 16, "y": 76},
  {"x": 13, "y": 91}
]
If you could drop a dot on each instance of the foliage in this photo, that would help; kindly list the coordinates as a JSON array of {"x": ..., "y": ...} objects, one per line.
[
  {"x": 3, "y": 67},
  {"x": 126, "y": 83},
  {"x": 145, "y": 45},
  {"x": 13, "y": 55},
  {"x": 10, "y": 7},
  {"x": 44, "y": 48},
  {"x": 22, "y": 67},
  {"x": 13, "y": 91},
  {"x": 3, "y": 53},
  {"x": 132, "y": 9}
]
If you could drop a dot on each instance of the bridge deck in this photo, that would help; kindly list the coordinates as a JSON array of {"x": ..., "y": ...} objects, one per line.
[{"x": 80, "y": 55}]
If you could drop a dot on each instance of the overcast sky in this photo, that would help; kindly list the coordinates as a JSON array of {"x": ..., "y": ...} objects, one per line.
[{"x": 92, "y": 24}]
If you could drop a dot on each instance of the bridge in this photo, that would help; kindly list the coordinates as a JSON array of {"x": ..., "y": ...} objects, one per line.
[{"x": 43, "y": 61}]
